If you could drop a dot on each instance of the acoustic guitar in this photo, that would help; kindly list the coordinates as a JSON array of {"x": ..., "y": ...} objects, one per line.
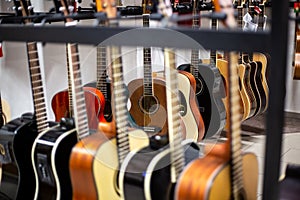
[
  {"x": 17, "y": 136},
  {"x": 208, "y": 87},
  {"x": 258, "y": 87},
  {"x": 152, "y": 172},
  {"x": 95, "y": 160},
  {"x": 224, "y": 172},
  {"x": 52, "y": 148},
  {"x": 262, "y": 57},
  {"x": 103, "y": 83},
  {"x": 95, "y": 101},
  {"x": 4, "y": 112},
  {"x": 147, "y": 96}
]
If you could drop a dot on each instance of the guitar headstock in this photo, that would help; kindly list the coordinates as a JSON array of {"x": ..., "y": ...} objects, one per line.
[
  {"x": 107, "y": 6},
  {"x": 226, "y": 7},
  {"x": 165, "y": 8},
  {"x": 25, "y": 7},
  {"x": 68, "y": 7}
]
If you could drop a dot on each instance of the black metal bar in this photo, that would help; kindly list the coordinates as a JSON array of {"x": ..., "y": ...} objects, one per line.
[
  {"x": 275, "y": 116},
  {"x": 209, "y": 39}
]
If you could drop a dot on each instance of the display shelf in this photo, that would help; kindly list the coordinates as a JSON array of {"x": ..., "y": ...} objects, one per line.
[{"x": 273, "y": 42}]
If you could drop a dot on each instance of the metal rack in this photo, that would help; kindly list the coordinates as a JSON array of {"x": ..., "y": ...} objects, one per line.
[{"x": 273, "y": 42}]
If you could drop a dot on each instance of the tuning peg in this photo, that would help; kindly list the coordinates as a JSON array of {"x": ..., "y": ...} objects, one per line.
[
  {"x": 71, "y": 8},
  {"x": 30, "y": 7},
  {"x": 61, "y": 9}
]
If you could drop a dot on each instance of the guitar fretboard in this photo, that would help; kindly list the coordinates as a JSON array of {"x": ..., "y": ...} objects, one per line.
[
  {"x": 37, "y": 87},
  {"x": 70, "y": 114},
  {"x": 195, "y": 52},
  {"x": 174, "y": 131},
  {"x": 79, "y": 106},
  {"x": 101, "y": 70},
  {"x": 120, "y": 104},
  {"x": 148, "y": 85},
  {"x": 234, "y": 135}
]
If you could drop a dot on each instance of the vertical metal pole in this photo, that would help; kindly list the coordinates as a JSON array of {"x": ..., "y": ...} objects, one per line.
[{"x": 275, "y": 115}]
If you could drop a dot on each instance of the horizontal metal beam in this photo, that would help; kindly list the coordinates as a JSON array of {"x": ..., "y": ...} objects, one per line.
[{"x": 158, "y": 37}]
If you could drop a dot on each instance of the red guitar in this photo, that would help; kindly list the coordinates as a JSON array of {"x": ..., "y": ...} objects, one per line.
[{"x": 95, "y": 103}]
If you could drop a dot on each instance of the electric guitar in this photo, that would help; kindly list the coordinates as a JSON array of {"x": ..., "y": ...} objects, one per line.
[
  {"x": 224, "y": 172},
  {"x": 296, "y": 75},
  {"x": 95, "y": 102},
  {"x": 95, "y": 160},
  {"x": 18, "y": 135},
  {"x": 152, "y": 172},
  {"x": 52, "y": 148},
  {"x": 208, "y": 91}
]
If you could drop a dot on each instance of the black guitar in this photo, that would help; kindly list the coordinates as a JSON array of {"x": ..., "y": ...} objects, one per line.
[
  {"x": 52, "y": 148},
  {"x": 208, "y": 87},
  {"x": 151, "y": 172},
  {"x": 18, "y": 135}
]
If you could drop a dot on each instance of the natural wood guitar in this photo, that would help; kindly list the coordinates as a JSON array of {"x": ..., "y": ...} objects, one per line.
[
  {"x": 152, "y": 172},
  {"x": 220, "y": 173},
  {"x": 95, "y": 160},
  {"x": 5, "y": 114}
]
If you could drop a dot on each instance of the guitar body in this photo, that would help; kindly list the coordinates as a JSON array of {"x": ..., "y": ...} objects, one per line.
[
  {"x": 192, "y": 124},
  {"x": 95, "y": 103},
  {"x": 107, "y": 112},
  {"x": 5, "y": 114},
  {"x": 16, "y": 139},
  {"x": 222, "y": 66},
  {"x": 248, "y": 98},
  {"x": 188, "y": 107},
  {"x": 209, "y": 98},
  {"x": 50, "y": 157},
  {"x": 261, "y": 58},
  {"x": 260, "y": 88},
  {"x": 89, "y": 163},
  {"x": 209, "y": 178},
  {"x": 149, "y": 111},
  {"x": 145, "y": 174}
]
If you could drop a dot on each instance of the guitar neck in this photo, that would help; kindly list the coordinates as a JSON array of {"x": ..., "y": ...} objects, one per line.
[
  {"x": 37, "y": 87},
  {"x": 174, "y": 130},
  {"x": 70, "y": 114},
  {"x": 101, "y": 71},
  {"x": 213, "y": 53},
  {"x": 234, "y": 132},
  {"x": 148, "y": 85},
  {"x": 120, "y": 104},
  {"x": 78, "y": 97}
]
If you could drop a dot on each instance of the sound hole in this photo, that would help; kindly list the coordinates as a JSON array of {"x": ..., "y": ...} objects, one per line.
[
  {"x": 149, "y": 104},
  {"x": 199, "y": 86}
]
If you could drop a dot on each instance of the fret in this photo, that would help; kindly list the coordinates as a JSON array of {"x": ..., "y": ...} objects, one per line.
[{"x": 176, "y": 150}]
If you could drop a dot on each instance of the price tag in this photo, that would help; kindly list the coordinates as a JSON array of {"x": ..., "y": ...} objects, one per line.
[{"x": 249, "y": 25}]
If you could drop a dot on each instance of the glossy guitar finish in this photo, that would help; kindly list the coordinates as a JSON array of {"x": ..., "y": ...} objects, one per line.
[
  {"x": 209, "y": 97},
  {"x": 50, "y": 158},
  {"x": 261, "y": 59},
  {"x": 4, "y": 112},
  {"x": 148, "y": 111},
  {"x": 16, "y": 139},
  {"x": 95, "y": 103}
]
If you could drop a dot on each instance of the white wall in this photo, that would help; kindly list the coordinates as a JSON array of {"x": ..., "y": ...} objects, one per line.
[{"x": 15, "y": 85}]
